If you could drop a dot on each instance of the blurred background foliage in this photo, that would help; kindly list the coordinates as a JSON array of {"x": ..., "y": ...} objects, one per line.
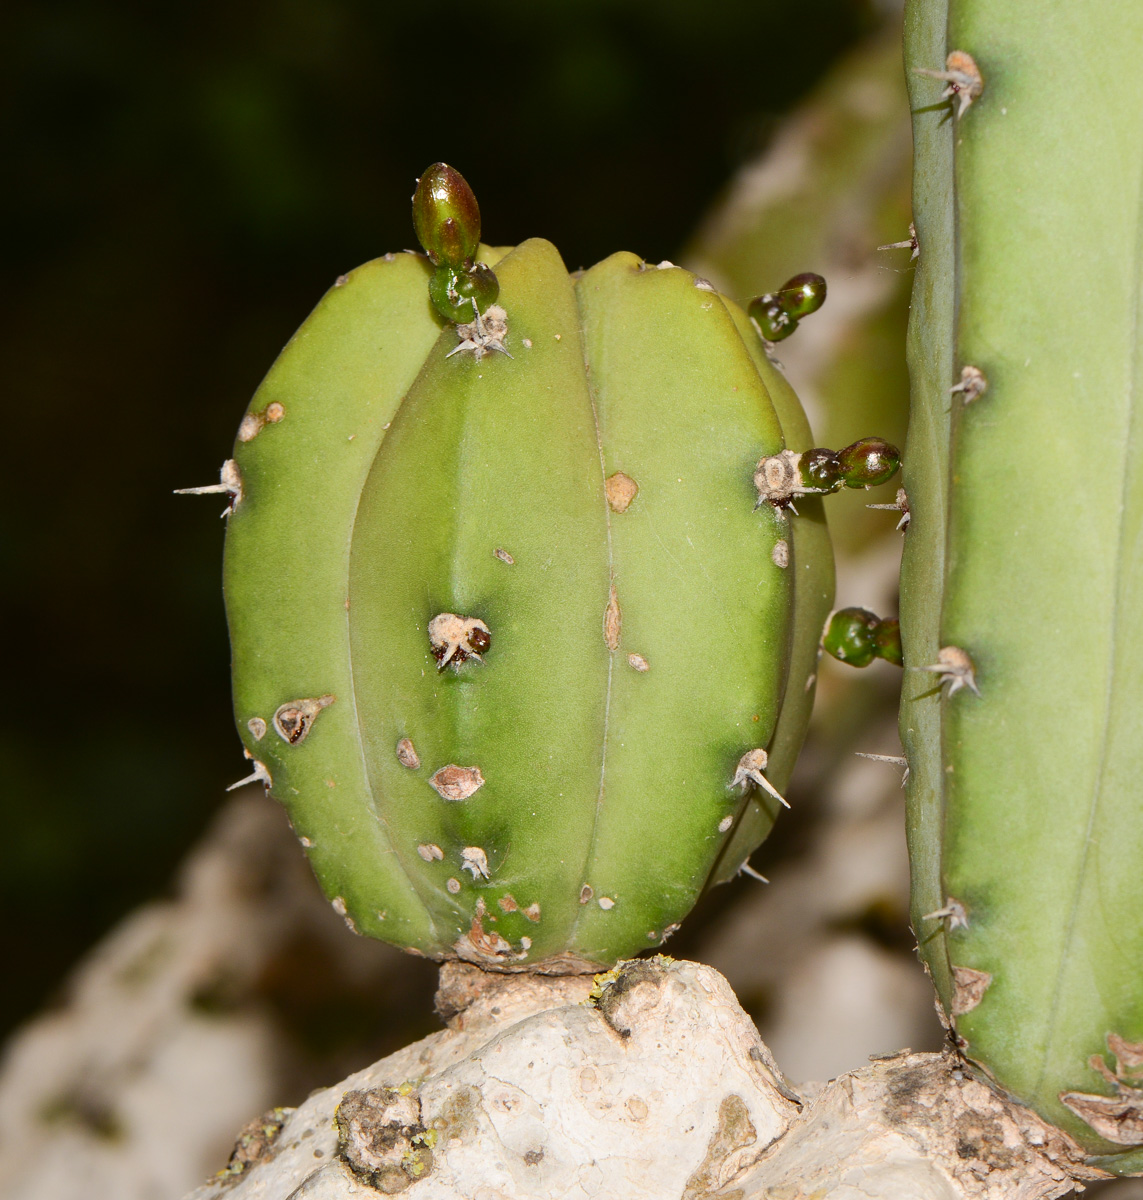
[{"x": 183, "y": 181}]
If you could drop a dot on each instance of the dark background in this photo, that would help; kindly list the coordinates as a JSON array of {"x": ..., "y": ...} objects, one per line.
[{"x": 182, "y": 182}]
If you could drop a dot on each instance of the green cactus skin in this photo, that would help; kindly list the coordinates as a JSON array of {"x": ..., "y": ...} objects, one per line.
[
  {"x": 1025, "y": 814},
  {"x": 635, "y": 651}
]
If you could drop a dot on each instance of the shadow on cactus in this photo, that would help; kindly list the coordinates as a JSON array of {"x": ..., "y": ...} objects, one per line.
[{"x": 519, "y": 639}]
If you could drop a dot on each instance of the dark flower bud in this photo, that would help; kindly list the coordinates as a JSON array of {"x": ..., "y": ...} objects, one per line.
[{"x": 446, "y": 216}]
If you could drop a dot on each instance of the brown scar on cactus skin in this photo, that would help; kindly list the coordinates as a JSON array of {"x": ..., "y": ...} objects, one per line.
[
  {"x": 900, "y": 504},
  {"x": 954, "y": 914},
  {"x": 482, "y": 947},
  {"x": 508, "y": 903},
  {"x": 532, "y": 912},
  {"x": 456, "y": 783},
  {"x": 969, "y": 986},
  {"x": 965, "y": 82},
  {"x": 253, "y": 423},
  {"x": 407, "y": 754},
  {"x": 229, "y": 484},
  {"x": 294, "y": 719},
  {"x": 455, "y": 639},
  {"x": 257, "y": 728},
  {"x": 612, "y": 620},
  {"x": 749, "y": 771},
  {"x": 954, "y": 667},
  {"x": 638, "y": 663},
  {"x": 483, "y": 334},
  {"x": 452, "y": 885},
  {"x": 585, "y": 893},
  {"x": 973, "y": 384},
  {"x": 621, "y": 490},
  {"x": 780, "y": 554},
  {"x": 504, "y": 556},
  {"x": 1117, "y": 1118},
  {"x": 430, "y": 852}
]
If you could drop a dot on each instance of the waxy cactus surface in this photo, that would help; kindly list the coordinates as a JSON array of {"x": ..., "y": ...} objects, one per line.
[
  {"x": 1022, "y": 582},
  {"x": 512, "y": 640}
]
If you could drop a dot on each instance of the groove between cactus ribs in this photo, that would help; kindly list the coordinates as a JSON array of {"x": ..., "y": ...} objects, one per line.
[
  {"x": 590, "y": 854},
  {"x": 377, "y": 810},
  {"x": 1131, "y": 432}
]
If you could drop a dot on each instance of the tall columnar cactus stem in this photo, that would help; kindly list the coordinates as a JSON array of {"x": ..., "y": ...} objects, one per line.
[
  {"x": 1022, "y": 584},
  {"x": 512, "y": 640}
]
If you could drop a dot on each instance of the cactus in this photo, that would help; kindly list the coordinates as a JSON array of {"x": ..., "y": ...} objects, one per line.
[
  {"x": 514, "y": 640},
  {"x": 1022, "y": 580}
]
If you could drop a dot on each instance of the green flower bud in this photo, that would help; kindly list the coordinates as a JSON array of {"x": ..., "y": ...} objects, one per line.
[
  {"x": 820, "y": 469},
  {"x": 887, "y": 641},
  {"x": 802, "y": 295},
  {"x": 850, "y": 636},
  {"x": 867, "y": 462},
  {"x": 773, "y": 322},
  {"x": 446, "y": 216},
  {"x": 453, "y": 292}
]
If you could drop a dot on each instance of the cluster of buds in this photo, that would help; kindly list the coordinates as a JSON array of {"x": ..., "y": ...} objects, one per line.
[
  {"x": 447, "y": 220},
  {"x": 776, "y": 314},
  {"x": 781, "y": 478}
]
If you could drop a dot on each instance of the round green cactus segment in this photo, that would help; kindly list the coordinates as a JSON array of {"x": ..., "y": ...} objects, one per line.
[
  {"x": 1043, "y": 833},
  {"x": 551, "y": 630},
  {"x": 705, "y": 608},
  {"x": 336, "y": 386}
]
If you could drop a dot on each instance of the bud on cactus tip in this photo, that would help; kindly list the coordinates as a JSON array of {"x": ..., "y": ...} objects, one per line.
[
  {"x": 446, "y": 216},
  {"x": 776, "y": 314}
]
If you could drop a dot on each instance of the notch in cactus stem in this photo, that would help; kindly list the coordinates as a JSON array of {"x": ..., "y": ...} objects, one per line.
[
  {"x": 972, "y": 386},
  {"x": 229, "y": 484},
  {"x": 749, "y": 771},
  {"x": 965, "y": 82},
  {"x": 456, "y": 639},
  {"x": 900, "y": 504},
  {"x": 953, "y": 913},
  {"x": 856, "y": 636},
  {"x": 776, "y": 314},
  {"x": 483, "y": 333},
  {"x": 259, "y": 775},
  {"x": 954, "y": 667},
  {"x": 910, "y": 243}
]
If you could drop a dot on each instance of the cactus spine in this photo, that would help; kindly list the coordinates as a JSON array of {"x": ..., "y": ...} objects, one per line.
[{"x": 1022, "y": 582}]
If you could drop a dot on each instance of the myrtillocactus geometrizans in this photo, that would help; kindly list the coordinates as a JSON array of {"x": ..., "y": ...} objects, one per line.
[{"x": 506, "y": 623}]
